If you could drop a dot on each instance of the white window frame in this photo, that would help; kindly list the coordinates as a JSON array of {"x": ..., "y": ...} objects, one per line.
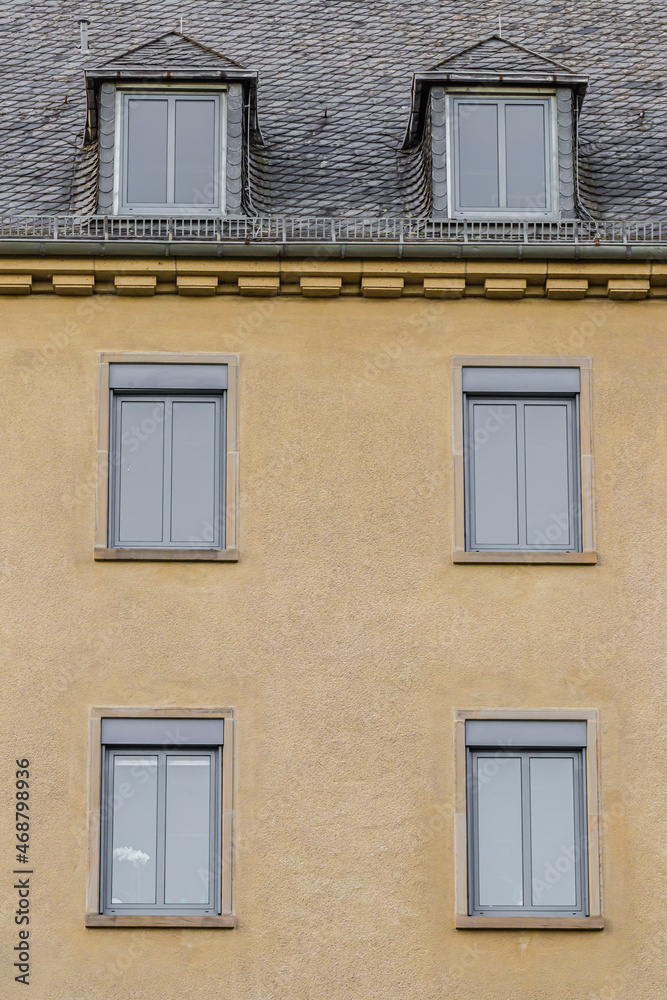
[
  {"x": 157, "y": 91},
  {"x": 473, "y": 95}
]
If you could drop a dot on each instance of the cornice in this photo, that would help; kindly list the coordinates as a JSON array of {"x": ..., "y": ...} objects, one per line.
[{"x": 490, "y": 278}]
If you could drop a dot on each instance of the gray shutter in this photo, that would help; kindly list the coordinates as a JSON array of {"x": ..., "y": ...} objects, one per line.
[
  {"x": 195, "y": 180},
  {"x": 170, "y": 376},
  {"x": 477, "y": 160},
  {"x": 526, "y": 142},
  {"x": 139, "y": 471},
  {"x": 195, "y": 472},
  {"x": 161, "y": 732},
  {"x": 507, "y": 733},
  {"x": 503, "y": 379},
  {"x": 146, "y": 150}
]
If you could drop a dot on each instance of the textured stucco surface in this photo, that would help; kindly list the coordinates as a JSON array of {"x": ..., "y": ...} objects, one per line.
[{"x": 344, "y": 638}]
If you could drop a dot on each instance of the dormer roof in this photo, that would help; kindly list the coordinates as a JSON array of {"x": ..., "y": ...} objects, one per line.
[
  {"x": 498, "y": 55},
  {"x": 171, "y": 55},
  {"x": 168, "y": 58},
  {"x": 170, "y": 51}
]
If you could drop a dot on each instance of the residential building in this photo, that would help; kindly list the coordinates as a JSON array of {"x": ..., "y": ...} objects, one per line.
[{"x": 332, "y": 391}]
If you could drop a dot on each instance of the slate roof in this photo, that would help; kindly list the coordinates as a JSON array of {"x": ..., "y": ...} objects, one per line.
[{"x": 334, "y": 93}]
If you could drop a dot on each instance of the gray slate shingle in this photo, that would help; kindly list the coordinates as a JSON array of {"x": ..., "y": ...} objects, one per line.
[{"x": 334, "y": 92}]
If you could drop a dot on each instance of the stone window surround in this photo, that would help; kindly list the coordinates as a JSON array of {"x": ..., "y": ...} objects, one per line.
[
  {"x": 94, "y": 918},
  {"x": 102, "y": 550},
  {"x": 588, "y": 554},
  {"x": 595, "y": 920}
]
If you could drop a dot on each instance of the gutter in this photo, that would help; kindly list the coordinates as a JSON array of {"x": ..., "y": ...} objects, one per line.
[{"x": 335, "y": 251}]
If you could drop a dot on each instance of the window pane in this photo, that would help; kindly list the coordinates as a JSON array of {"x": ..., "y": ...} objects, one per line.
[
  {"x": 552, "y": 831},
  {"x": 146, "y": 152},
  {"x": 525, "y": 153},
  {"x": 195, "y": 180},
  {"x": 547, "y": 475},
  {"x": 498, "y": 784},
  {"x": 134, "y": 829},
  {"x": 193, "y": 473},
  {"x": 494, "y": 461},
  {"x": 478, "y": 155},
  {"x": 188, "y": 849},
  {"x": 141, "y": 471}
]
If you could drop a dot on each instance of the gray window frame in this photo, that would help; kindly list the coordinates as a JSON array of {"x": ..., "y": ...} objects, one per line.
[
  {"x": 160, "y": 384},
  {"x": 115, "y": 745},
  {"x": 170, "y": 207},
  {"x": 502, "y": 211},
  {"x": 581, "y": 860},
  {"x": 531, "y": 396}
]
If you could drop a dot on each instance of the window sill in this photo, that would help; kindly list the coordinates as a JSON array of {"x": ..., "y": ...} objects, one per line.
[
  {"x": 159, "y": 920},
  {"x": 576, "y": 558},
  {"x": 170, "y": 555},
  {"x": 530, "y": 923}
]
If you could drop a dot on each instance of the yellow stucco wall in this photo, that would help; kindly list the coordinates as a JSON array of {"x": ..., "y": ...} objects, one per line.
[{"x": 345, "y": 638}]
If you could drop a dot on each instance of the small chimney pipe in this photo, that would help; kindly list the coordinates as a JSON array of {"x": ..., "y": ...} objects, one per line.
[{"x": 83, "y": 27}]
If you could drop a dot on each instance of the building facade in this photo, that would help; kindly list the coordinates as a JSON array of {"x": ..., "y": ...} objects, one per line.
[{"x": 332, "y": 401}]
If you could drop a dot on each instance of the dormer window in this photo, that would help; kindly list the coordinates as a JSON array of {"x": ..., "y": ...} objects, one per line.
[
  {"x": 176, "y": 128},
  {"x": 496, "y": 128},
  {"x": 502, "y": 155},
  {"x": 171, "y": 152}
]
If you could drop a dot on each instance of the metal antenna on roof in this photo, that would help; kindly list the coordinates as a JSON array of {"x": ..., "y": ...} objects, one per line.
[
  {"x": 83, "y": 27},
  {"x": 181, "y": 24},
  {"x": 500, "y": 25}
]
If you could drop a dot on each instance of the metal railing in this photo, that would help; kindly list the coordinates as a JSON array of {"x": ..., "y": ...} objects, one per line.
[{"x": 321, "y": 229}]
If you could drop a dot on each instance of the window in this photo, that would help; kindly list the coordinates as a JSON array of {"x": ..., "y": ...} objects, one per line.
[
  {"x": 502, "y": 153},
  {"x": 527, "y": 853},
  {"x": 522, "y": 457},
  {"x": 170, "y": 448},
  {"x": 170, "y": 152},
  {"x": 160, "y": 787}
]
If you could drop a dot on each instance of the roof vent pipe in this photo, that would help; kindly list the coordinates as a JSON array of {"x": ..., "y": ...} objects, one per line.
[{"x": 83, "y": 27}]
